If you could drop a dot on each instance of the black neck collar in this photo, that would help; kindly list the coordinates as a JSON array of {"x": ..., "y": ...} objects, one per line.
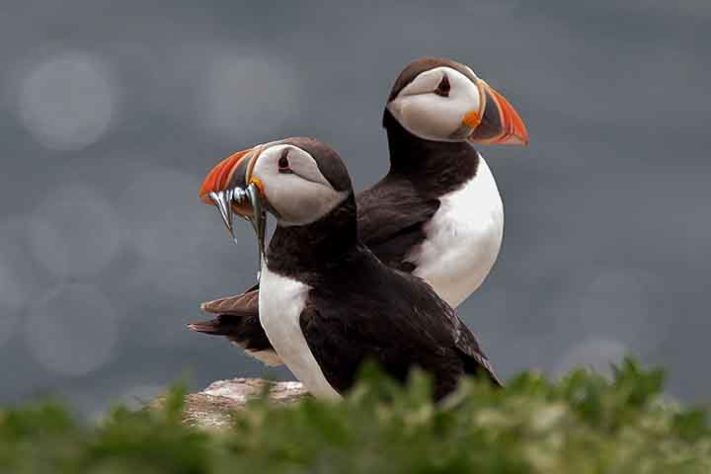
[
  {"x": 433, "y": 166},
  {"x": 313, "y": 248}
]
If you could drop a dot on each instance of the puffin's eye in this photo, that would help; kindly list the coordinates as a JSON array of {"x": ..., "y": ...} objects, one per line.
[
  {"x": 284, "y": 162},
  {"x": 443, "y": 87}
]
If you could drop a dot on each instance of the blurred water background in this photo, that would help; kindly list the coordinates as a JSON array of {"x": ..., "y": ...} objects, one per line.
[{"x": 112, "y": 112}]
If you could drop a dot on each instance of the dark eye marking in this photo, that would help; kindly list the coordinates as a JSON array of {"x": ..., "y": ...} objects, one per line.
[
  {"x": 284, "y": 162},
  {"x": 443, "y": 87}
]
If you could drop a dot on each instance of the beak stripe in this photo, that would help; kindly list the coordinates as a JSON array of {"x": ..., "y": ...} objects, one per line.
[
  {"x": 514, "y": 130},
  {"x": 252, "y": 161},
  {"x": 219, "y": 176},
  {"x": 500, "y": 124}
]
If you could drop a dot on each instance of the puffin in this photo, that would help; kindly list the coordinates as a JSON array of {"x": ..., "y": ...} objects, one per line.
[
  {"x": 437, "y": 214},
  {"x": 326, "y": 302}
]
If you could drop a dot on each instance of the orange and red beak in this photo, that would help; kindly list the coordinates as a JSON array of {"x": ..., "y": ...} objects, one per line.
[
  {"x": 227, "y": 174},
  {"x": 230, "y": 187},
  {"x": 496, "y": 122}
]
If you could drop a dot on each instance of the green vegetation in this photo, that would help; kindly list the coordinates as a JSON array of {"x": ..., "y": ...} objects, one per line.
[{"x": 581, "y": 424}]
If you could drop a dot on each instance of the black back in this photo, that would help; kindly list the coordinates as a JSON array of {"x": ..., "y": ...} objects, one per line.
[{"x": 371, "y": 312}]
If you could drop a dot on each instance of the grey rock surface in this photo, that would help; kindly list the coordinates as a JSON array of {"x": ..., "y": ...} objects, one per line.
[{"x": 211, "y": 408}]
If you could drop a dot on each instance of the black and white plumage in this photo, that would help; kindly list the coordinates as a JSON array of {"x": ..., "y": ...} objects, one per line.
[
  {"x": 437, "y": 213},
  {"x": 441, "y": 220},
  {"x": 326, "y": 303}
]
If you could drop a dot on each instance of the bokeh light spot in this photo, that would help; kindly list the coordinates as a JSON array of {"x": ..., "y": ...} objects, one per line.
[
  {"x": 18, "y": 280},
  {"x": 67, "y": 100},
  {"x": 74, "y": 232},
  {"x": 72, "y": 330},
  {"x": 598, "y": 354},
  {"x": 243, "y": 96}
]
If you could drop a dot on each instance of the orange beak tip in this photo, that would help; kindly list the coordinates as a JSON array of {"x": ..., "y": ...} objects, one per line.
[{"x": 518, "y": 138}]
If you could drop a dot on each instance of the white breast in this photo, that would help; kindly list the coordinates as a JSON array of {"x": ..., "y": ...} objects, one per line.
[
  {"x": 281, "y": 300},
  {"x": 462, "y": 239}
]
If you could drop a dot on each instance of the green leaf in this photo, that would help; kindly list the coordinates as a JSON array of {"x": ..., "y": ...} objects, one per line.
[{"x": 582, "y": 423}]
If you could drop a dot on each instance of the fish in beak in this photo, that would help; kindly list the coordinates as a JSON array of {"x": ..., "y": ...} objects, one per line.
[
  {"x": 231, "y": 189},
  {"x": 496, "y": 122}
]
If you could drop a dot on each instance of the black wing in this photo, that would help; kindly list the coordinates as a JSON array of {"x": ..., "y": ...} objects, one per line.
[
  {"x": 396, "y": 320},
  {"x": 391, "y": 216},
  {"x": 244, "y": 304},
  {"x": 475, "y": 361}
]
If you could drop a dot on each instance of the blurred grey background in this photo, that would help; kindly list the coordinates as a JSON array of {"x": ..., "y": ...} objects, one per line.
[{"x": 112, "y": 112}]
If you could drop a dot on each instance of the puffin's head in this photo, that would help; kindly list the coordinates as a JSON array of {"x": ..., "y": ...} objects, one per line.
[
  {"x": 443, "y": 100},
  {"x": 298, "y": 180}
]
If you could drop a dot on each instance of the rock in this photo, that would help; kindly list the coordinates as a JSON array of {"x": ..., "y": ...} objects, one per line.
[{"x": 211, "y": 408}]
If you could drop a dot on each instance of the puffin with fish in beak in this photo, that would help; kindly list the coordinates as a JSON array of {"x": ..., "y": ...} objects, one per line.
[
  {"x": 437, "y": 213},
  {"x": 325, "y": 302}
]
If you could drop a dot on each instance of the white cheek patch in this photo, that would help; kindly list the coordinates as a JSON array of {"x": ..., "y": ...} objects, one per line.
[
  {"x": 302, "y": 196},
  {"x": 430, "y": 116},
  {"x": 299, "y": 201}
]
